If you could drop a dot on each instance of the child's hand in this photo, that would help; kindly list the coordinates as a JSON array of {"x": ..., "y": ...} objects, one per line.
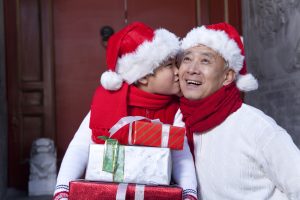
[
  {"x": 189, "y": 197},
  {"x": 61, "y": 196}
]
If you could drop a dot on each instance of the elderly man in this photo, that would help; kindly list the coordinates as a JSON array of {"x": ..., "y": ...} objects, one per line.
[{"x": 239, "y": 152}]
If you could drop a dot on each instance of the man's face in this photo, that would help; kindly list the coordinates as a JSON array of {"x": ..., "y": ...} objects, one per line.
[
  {"x": 165, "y": 79},
  {"x": 201, "y": 73}
]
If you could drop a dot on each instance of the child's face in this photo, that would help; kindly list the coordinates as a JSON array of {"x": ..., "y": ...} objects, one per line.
[
  {"x": 202, "y": 72},
  {"x": 165, "y": 79}
]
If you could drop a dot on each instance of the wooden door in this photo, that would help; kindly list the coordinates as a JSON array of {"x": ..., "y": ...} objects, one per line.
[
  {"x": 55, "y": 57},
  {"x": 175, "y": 15},
  {"x": 30, "y": 82},
  {"x": 80, "y": 56}
]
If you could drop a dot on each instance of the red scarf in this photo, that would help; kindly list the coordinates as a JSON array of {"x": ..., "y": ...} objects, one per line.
[
  {"x": 204, "y": 114},
  {"x": 108, "y": 107}
]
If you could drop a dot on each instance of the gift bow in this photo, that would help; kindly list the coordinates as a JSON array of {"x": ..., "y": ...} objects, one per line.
[
  {"x": 113, "y": 160},
  {"x": 122, "y": 188},
  {"x": 130, "y": 119}
]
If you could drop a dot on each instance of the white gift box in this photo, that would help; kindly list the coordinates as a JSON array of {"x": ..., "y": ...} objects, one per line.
[{"x": 142, "y": 165}]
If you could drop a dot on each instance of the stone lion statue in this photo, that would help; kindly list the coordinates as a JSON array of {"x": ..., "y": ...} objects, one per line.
[{"x": 42, "y": 176}]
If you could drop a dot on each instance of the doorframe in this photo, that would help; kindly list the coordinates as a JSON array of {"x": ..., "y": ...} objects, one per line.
[
  {"x": 48, "y": 65},
  {"x": 3, "y": 109}
]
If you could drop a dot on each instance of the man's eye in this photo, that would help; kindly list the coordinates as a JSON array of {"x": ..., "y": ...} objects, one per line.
[{"x": 205, "y": 61}]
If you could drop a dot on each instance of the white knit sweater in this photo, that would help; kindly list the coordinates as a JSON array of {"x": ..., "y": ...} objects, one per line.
[
  {"x": 76, "y": 158},
  {"x": 247, "y": 157}
]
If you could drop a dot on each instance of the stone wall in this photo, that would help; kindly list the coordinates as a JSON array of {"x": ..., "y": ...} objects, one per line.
[
  {"x": 272, "y": 42},
  {"x": 3, "y": 115}
]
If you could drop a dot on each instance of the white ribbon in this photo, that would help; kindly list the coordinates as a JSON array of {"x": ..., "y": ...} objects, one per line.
[
  {"x": 123, "y": 122},
  {"x": 165, "y": 135},
  {"x": 139, "y": 192},
  {"x": 129, "y": 120},
  {"x": 121, "y": 191}
]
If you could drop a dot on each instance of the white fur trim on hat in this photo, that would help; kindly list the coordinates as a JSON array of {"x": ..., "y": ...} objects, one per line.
[
  {"x": 246, "y": 82},
  {"x": 217, "y": 40},
  {"x": 148, "y": 56},
  {"x": 111, "y": 80}
]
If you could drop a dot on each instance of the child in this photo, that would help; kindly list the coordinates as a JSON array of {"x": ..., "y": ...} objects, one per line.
[
  {"x": 240, "y": 153},
  {"x": 141, "y": 81}
]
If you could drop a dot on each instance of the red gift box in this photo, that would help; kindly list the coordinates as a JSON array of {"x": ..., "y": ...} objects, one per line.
[
  {"x": 157, "y": 135},
  {"x": 83, "y": 190}
]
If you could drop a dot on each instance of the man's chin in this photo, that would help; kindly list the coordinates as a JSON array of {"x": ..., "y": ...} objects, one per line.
[{"x": 191, "y": 97}]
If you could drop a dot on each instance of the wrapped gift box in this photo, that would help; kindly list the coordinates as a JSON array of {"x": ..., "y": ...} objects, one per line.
[
  {"x": 142, "y": 165},
  {"x": 83, "y": 190},
  {"x": 157, "y": 135}
]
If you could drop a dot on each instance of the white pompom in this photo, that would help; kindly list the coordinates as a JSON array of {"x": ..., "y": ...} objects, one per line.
[
  {"x": 247, "y": 82},
  {"x": 111, "y": 80}
]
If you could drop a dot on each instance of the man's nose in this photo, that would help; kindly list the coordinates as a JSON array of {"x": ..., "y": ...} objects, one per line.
[{"x": 193, "y": 68}]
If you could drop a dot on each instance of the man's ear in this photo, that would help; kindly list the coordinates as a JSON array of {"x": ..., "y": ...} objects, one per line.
[{"x": 229, "y": 77}]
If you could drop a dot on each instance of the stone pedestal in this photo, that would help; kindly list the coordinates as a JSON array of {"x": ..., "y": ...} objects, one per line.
[{"x": 42, "y": 177}]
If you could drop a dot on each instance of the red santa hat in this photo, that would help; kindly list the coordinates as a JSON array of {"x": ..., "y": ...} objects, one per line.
[
  {"x": 224, "y": 39},
  {"x": 134, "y": 52}
]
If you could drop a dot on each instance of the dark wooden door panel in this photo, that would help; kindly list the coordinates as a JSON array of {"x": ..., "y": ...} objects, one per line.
[
  {"x": 79, "y": 58},
  {"x": 215, "y": 11},
  {"x": 235, "y": 14},
  {"x": 176, "y": 15},
  {"x": 29, "y": 83}
]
